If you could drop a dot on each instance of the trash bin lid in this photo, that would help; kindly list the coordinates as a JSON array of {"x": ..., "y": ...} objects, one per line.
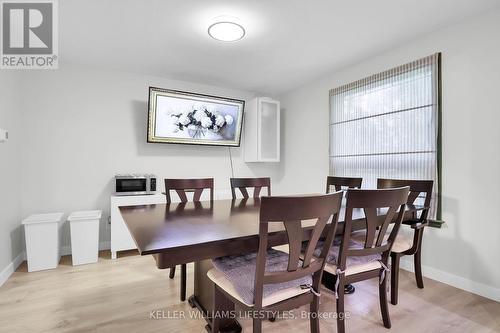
[
  {"x": 43, "y": 218},
  {"x": 85, "y": 215}
]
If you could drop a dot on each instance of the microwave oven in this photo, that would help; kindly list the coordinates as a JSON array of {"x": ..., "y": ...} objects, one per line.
[{"x": 135, "y": 184}]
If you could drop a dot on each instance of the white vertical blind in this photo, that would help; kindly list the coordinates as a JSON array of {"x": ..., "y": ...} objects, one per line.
[{"x": 386, "y": 125}]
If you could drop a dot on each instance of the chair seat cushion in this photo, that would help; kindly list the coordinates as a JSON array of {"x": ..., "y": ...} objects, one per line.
[
  {"x": 354, "y": 264},
  {"x": 223, "y": 282},
  {"x": 401, "y": 244},
  {"x": 283, "y": 248},
  {"x": 355, "y": 269},
  {"x": 236, "y": 276}
]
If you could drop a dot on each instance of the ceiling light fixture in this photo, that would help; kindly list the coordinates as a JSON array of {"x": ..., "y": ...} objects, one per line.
[{"x": 226, "y": 31}]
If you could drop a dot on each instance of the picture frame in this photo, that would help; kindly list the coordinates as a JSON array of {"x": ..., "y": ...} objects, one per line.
[{"x": 181, "y": 117}]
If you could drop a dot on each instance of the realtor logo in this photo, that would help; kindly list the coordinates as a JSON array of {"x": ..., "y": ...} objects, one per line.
[{"x": 29, "y": 34}]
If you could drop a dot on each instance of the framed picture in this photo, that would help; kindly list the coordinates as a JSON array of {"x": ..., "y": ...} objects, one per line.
[{"x": 189, "y": 118}]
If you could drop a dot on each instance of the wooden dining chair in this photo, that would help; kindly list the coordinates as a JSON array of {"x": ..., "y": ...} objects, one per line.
[
  {"x": 368, "y": 258},
  {"x": 270, "y": 281},
  {"x": 340, "y": 183},
  {"x": 181, "y": 187},
  {"x": 257, "y": 183},
  {"x": 403, "y": 245}
]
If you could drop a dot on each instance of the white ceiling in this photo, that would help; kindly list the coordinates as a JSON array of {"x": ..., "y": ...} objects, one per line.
[{"x": 288, "y": 42}]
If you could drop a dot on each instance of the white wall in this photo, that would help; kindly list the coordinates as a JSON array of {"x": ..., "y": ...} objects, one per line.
[
  {"x": 466, "y": 253},
  {"x": 11, "y": 240},
  {"x": 83, "y": 126}
]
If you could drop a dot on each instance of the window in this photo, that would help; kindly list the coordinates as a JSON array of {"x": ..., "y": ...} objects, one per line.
[{"x": 388, "y": 126}]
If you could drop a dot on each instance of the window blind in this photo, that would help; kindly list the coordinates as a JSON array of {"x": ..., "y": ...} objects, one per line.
[{"x": 387, "y": 126}]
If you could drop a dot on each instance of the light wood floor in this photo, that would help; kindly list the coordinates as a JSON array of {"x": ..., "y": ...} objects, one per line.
[{"x": 118, "y": 296}]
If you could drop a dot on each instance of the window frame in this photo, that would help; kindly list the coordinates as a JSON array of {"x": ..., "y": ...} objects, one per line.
[{"x": 397, "y": 71}]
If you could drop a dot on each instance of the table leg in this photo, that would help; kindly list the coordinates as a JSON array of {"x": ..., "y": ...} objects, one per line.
[{"x": 203, "y": 298}]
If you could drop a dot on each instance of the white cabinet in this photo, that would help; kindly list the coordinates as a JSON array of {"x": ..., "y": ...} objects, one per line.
[
  {"x": 262, "y": 130},
  {"x": 120, "y": 236}
]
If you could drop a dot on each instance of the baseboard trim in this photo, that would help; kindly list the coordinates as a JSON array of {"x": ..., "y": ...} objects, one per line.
[
  {"x": 455, "y": 281},
  {"x": 11, "y": 268},
  {"x": 66, "y": 250}
]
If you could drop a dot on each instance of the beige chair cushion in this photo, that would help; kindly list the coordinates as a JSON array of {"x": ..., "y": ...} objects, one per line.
[
  {"x": 354, "y": 269},
  {"x": 354, "y": 264},
  {"x": 401, "y": 244},
  {"x": 283, "y": 248},
  {"x": 239, "y": 270},
  {"x": 220, "y": 279}
]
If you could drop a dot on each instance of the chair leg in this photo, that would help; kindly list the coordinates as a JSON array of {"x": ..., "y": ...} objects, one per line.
[
  {"x": 172, "y": 272},
  {"x": 384, "y": 307},
  {"x": 183, "y": 282},
  {"x": 314, "y": 319},
  {"x": 417, "y": 260},
  {"x": 340, "y": 307},
  {"x": 257, "y": 325},
  {"x": 394, "y": 278}
]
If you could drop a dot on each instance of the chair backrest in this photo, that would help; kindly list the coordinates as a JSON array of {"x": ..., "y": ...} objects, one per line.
[
  {"x": 417, "y": 188},
  {"x": 256, "y": 183},
  {"x": 291, "y": 211},
  {"x": 197, "y": 208},
  {"x": 380, "y": 208},
  {"x": 339, "y": 182},
  {"x": 181, "y": 186}
]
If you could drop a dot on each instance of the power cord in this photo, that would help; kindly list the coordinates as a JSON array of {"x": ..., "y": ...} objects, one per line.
[{"x": 231, "y": 160}]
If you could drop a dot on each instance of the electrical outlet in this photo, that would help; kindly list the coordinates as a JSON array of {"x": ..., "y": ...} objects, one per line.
[{"x": 4, "y": 135}]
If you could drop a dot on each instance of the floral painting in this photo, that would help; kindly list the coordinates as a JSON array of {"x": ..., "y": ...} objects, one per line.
[{"x": 182, "y": 117}]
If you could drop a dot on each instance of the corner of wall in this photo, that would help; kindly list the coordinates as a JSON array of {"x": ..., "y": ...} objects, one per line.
[{"x": 11, "y": 243}]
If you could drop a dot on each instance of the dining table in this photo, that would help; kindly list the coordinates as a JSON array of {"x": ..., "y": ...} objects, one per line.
[{"x": 197, "y": 232}]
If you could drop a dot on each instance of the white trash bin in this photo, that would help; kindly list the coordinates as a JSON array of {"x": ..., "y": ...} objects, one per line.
[
  {"x": 84, "y": 236},
  {"x": 43, "y": 240}
]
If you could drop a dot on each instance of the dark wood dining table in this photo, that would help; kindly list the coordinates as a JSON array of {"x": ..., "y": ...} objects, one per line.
[{"x": 180, "y": 233}]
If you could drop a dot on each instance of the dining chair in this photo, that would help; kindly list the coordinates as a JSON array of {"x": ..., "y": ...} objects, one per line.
[
  {"x": 368, "y": 258},
  {"x": 270, "y": 281},
  {"x": 257, "y": 183},
  {"x": 342, "y": 182},
  {"x": 181, "y": 187},
  {"x": 404, "y": 245}
]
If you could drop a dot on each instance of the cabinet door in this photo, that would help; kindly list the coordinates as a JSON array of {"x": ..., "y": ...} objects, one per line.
[{"x": 269, "y": 131}]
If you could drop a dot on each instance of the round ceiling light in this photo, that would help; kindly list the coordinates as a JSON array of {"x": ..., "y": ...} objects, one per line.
[{"x": 226, "y": 31}]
